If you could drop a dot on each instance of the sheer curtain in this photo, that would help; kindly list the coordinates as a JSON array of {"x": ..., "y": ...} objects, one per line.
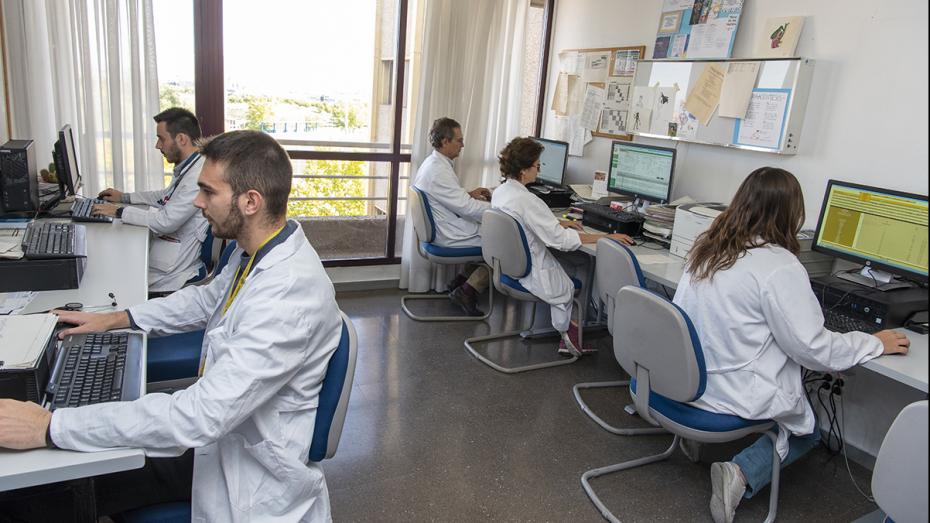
[
  {"x": 91, "y": 64},
  {"x": 472, "y": 67}
]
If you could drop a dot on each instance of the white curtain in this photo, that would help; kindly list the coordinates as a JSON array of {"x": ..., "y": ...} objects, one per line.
[
  {"x": 90, "y": 64},
  {"x": 472, "y": 67}
]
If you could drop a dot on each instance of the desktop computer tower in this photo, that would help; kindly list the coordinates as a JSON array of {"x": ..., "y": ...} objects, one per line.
[{"x": 19, "y": 183}]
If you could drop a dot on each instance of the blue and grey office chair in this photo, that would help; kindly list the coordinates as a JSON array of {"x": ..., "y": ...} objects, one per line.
[
  {"x": 209, "y": 254},
  {"x": 616, "y": 268},
  {"x": 327, "y": 429},
  {"x": 505, "y": 249},
  {"x": 659, "y": 343},
  {"x": 899, "y": 481},
  {"x": 424, "y": 227},
  {"x": 177, "y": 357}
]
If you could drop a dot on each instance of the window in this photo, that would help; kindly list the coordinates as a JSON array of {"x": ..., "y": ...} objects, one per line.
[
  {"x": 322, "y": 81},
  {"x": 174, "y": 41}
]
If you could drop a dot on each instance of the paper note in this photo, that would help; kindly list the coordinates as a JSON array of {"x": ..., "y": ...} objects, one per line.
[
  {"x": 14, "y": 302},
  {"x": 677, "y": 45},
  {"x": 663, "y": 111},
  {"x": 625, "y": 62},
  {"x": 640, "y": 108},
  {"x": 780, "y": 37},
  {"x": 764, "y": 120},
  {"x": 576, "y": 94},
  {"x": 575, "y": 134},
  {"x": 596, "y": 67},
  {"x": 593, "y": 101},
  {"x": 705, "y": 95},
  {"x": 613, "y": 121},
  {"x": 675, "y": 5},
  {"x": 571, "y": 62},
  {"x": 737, "y": 89},
  {"x": 687, "y": 125},
  {"x": 23, "y": 339},
  {"x": 560, "y": 97},
  {"x": 618, "y": 93},
  {"x": 713, "y": 39}
]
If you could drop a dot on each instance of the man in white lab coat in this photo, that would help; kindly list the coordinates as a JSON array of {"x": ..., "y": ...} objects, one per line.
[
  {"x": 456, "y": 213},
  {"x": 271, "y": 324},
  {"x": 177, "y": 227}
]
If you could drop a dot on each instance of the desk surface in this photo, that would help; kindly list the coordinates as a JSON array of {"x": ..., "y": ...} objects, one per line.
[
  {"x": 117, "y": 262},
  {"x": 662, "y": 267}
]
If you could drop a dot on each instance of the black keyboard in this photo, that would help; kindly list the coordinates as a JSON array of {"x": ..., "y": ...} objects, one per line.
[
  {"x": 82, "y": 208},
  {"x": 54, "y": 240},
  {"x": 838, "y": 322},
  {"x": 605, "y": 211},
  {"x": 96, "y": 368}
]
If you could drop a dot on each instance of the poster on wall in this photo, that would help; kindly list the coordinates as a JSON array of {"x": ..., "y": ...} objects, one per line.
[
  {"x": 765, "y": 119},
  {"x": 697, "y": 28}
]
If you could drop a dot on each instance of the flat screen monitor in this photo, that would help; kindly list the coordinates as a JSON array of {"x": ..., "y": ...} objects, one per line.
[
  {"x": 552, "y": 161},
  {"x": 641, "y": 171},
  {"x": 72, "y": 176},
  {"x": 875, "y": 227}
]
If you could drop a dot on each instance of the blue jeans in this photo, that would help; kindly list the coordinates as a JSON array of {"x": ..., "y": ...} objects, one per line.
[{"x": 756, "y": 460}]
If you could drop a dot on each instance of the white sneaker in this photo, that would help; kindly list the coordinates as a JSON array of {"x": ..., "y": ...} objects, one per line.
[{"x": 727, "y": 489}]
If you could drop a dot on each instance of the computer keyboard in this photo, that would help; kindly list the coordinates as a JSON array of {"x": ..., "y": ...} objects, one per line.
[
  {"x": 96, "y": 368},
  {"x": 54, "y": 240},
  {"x": 605, "y": 211},
  {"x": 838, "y": 322},
  {"x": 82, "y": 208}
]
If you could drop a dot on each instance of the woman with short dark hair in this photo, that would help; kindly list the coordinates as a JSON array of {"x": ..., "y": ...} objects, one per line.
[{"x": 548, "y": 281}]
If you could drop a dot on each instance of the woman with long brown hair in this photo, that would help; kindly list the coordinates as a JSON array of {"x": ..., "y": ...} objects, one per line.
[{"x": 759, "y": 322}]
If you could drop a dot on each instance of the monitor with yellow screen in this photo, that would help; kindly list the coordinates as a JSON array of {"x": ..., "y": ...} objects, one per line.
[{"x": 882, "y": 229}]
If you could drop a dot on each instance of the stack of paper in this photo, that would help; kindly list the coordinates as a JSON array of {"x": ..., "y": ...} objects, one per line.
[
  {"x": 23, "y": 339},
  {"x": 11, "y": 243},
  {"x": 660, "y": 219}
]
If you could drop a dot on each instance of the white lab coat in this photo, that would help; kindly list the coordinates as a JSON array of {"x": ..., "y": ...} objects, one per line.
[
  {"x": 759, "y": 323},
  {"x": 177, "y": 228},
  {"x": 457, "y": 215},
  {"x": 547, "y": 280},
  {"x": 251, "y": 416}
]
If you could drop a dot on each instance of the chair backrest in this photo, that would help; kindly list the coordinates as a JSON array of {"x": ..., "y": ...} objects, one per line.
[
  {"x": 206, "y": 251},
  {"x": 616, "y": 268},
  {"x": 655, "y": 342},
  {"x": 224, "y": 258},
  {"x": 503, "y": 241},
  {"x": 899, "y": 481},
  {"x": 423, "y": 223},
  {"x": 334, "y": 395}
]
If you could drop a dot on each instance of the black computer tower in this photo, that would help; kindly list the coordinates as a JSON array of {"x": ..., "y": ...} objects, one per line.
[{"x": 19, "y": 183}]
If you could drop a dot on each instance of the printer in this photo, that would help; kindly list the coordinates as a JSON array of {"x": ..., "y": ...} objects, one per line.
[{"x": 690, "y": 221}]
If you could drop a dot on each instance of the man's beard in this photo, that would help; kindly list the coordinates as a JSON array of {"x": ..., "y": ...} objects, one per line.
[{"x": 232, "y": 226}]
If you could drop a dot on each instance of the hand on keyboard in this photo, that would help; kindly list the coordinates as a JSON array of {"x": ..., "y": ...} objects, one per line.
[
  {"x": 893, "y": 342},
  {"x": 105, "y": 209}
]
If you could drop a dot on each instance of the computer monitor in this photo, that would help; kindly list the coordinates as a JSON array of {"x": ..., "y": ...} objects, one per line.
[
  {"x": 552, "y": 162},
  {"x": 641, "y": 171},
  {"x": 882, "y": 229},
  {"x": 72, "y": 176}
]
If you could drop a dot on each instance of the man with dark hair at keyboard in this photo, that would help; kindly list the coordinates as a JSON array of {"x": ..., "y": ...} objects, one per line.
[
  {"x": 271, "y": 324},
  {"x": 177, "y": 228}
]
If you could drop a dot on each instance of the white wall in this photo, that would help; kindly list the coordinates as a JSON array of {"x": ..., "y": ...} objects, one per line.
[
  {"x": 866, "y": 116},
  {"x": 865, "y": 122}
]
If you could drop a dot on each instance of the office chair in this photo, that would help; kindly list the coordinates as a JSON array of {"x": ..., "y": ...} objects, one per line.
[
  {"x": 616, "y": 268},
  {"x": 899, "y": 481},
  {"x": 505, "y": 249},
  {"x": 327, "y": 429},
  {"x": 210, "y": 251},
  {"x": 424, "y": 227},
  {"x": 659, "y": 343},
  {"x": 177, "y": 357}
]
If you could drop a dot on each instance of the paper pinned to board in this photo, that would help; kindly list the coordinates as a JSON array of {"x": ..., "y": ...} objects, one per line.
[
  {"x": 596, "y": 66},
  {"x": 705, "y": 95},
  {"x": 737, "y": 89},
  {"x": 593, "y": 101},
  {"x": 560, "y": 97}
]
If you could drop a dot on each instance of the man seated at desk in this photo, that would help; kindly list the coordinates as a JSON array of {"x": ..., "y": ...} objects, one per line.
[
  {"x": 456, "y": 213},
  {"x": 271, "y": 323},
  {"x": 177, "y": 228}
]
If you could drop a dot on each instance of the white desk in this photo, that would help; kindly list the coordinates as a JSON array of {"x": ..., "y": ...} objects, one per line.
[
  {"x": 662, "y": 267},
  {"x": 117, "y": 262}
]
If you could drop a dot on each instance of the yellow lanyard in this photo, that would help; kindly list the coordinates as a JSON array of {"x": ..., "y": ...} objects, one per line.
[{"x": 240, "y": 281}]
